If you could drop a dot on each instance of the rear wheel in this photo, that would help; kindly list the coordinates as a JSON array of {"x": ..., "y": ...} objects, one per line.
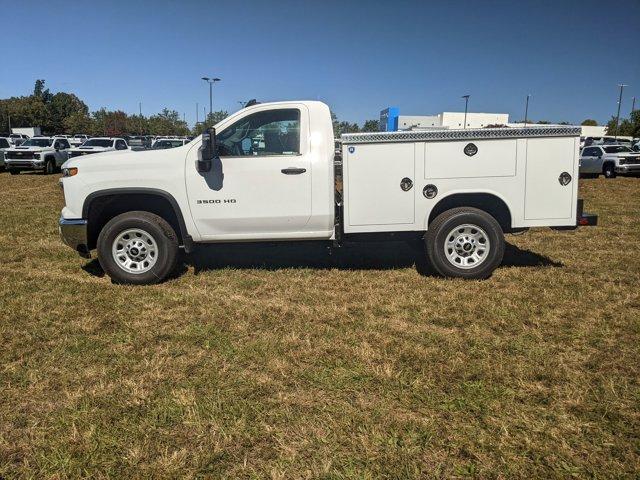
[
  {"x": 609, "y": 171},
  {"x": 465, "y": 242},
  {"x": 13, "y": 172},
  {"x": 137, "y": 248}
]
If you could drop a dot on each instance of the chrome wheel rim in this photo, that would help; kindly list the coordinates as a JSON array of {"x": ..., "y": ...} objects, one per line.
[
  {"x": 135, "y": 251},
  {"x": 467, "y": 246}
]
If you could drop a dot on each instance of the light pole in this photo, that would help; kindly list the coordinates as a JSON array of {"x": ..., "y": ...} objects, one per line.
[
  {"x": 466, "y": 105},
  {"x": 622, "y": 85},
  {"x": 633, "y": 104},
  {"x": 197, "y": 108},
  {"x": 210, "y": 81},
  {"x": 526, "y": 110}
]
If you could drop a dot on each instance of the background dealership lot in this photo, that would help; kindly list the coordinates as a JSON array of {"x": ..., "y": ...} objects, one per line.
[{"x": 272, "y": 361}]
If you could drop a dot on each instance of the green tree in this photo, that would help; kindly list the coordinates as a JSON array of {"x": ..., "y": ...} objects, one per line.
[
  {"x": 61, "y": 106},
  {"x": 589, "y": 122},
  {"x": 78, "y": 122},
  {"x": 371, "y": 126},
  {"x": 211, "y": 120},
  {"x": 342, "y": 127},
  {"x": 628, "y": 127},
  {"x": 40, "y": 92}
]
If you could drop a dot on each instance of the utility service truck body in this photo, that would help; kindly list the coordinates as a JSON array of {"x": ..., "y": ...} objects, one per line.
[{"x": 267, "y": 173}]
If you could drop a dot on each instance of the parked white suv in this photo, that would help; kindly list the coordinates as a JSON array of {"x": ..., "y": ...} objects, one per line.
[
  {"x": 608, "y": 160},
  {"x": 38, "y": 153},
  {"x": 99, "y": 145}
]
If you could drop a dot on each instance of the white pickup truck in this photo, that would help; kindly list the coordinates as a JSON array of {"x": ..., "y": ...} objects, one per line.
[
  {"x": 45, "y": 154},
  {"x": 266, "y": 173}
]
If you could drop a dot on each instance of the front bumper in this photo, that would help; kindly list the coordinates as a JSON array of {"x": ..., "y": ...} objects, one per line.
[
  {"x": 73, "y": 233},
  {"x": 24, "y": 164},
  {"x": 631, "y": 168}
]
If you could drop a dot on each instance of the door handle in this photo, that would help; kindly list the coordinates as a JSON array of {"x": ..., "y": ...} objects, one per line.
[{"x": 293, "y": 171}]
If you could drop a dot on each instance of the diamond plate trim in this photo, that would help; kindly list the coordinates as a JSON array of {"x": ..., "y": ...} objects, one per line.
[{"x": 476, "y": 134}]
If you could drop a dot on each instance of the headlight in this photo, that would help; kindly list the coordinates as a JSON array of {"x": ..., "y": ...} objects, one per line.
[{"x": 69, "y": 172}]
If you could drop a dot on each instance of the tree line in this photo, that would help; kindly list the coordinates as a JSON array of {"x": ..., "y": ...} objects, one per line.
[
  {"x": 65, "y": 113},
  {"x": 62, "y": 112}
]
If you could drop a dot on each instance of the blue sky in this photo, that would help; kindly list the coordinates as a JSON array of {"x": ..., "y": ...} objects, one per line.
[{"x": 357, "y": 56}]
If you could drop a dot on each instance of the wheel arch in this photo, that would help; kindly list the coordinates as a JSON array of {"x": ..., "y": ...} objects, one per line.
[
  {"x": 489, "y": 202},
  {"x": 101, "y": 206}
]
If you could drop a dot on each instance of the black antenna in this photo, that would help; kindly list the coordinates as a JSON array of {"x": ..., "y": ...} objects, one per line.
[{"x": 251, "y": 102}]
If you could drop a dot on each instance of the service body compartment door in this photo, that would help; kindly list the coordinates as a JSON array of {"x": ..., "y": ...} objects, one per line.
[
  {"x": 546, "y": 198},
  {"x": 374, "y": 195}
]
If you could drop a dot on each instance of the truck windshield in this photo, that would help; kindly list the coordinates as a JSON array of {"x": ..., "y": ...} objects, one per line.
[
  {"x": 37, "y": 142},
  {"x": 98, "y": 142},
  {"x": 617, "y": 149}
]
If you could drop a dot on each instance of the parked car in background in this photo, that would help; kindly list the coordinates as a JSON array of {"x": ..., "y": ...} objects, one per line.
[
  {"x": 99, "y": 145},
  {"x": 140, "y": 142},
  {"x": 608, "y": 160},
  {"x": 17, "y": 139},
  {"x": 78, "y": 139},
  {"x": 164, "y": 143},
  {"x": 4, "y": 145},
  {"x": 589, "y": 141},
  {"x": 38, "y": 153},
  {"x": 636, "y": 147}
]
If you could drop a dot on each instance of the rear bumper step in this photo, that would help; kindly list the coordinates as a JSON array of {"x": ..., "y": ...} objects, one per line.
[{"x": 582, "y": 219}]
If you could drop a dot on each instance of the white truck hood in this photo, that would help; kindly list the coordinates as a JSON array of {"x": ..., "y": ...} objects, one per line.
[
  {"x": 91, "y": 149},
  {"x": 31, "y": 149}
]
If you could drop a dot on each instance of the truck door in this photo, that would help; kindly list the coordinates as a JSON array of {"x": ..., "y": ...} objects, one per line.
[
  {"x": 261, "y": 185},
  {"x": 589, "y": 159}
]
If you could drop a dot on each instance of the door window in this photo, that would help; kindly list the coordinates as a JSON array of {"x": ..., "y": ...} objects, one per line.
[
  {"x": 120, "y": 145},
  {"x": 590, "y": 152},
  {"x": 268, "y": 133}
]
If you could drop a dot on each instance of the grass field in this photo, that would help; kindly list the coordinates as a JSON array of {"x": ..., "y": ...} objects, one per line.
[{"x": 283, "y": 361}]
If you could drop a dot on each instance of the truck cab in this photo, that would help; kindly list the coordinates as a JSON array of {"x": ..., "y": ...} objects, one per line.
[{"x": 266, "y": 173}]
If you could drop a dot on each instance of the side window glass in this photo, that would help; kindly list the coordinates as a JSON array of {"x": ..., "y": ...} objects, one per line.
[{"x": 268, "y": 133}]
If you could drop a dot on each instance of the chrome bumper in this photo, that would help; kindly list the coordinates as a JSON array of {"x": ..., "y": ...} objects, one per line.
[
  {"x": 73, "y": 233},
  {"x": 630, "y": 168}
]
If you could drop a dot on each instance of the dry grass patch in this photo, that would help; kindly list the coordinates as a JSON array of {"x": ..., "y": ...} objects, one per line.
[{"x": 287, "y": 362}]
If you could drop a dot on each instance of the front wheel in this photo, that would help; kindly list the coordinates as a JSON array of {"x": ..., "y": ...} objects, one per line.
[
  {"x": 49, "y": 167},
  {"x": 137, "y": 248},
  {"x": 609, "y": 171},
  {"x": 465, "y": 242}
]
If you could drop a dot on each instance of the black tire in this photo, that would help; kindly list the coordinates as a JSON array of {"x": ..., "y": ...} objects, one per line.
[
  {"x": 160, "y": 231},
  {"x": 445, "y": 223},
  {"x": 49, "y": 166},
  {"x": 13, "y": 172},
  {"x": 609, "y": 171}
]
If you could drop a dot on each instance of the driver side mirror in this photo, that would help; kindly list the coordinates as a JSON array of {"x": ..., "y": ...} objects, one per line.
[{"x": 207, "y": 151}]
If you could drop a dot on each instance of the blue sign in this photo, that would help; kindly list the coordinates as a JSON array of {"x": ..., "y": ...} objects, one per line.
[{"x": 389, "y": 119}]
